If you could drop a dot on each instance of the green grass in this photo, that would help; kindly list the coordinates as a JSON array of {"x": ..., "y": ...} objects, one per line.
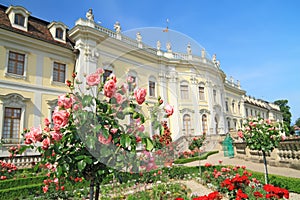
[{"x": 192, "y": 159}]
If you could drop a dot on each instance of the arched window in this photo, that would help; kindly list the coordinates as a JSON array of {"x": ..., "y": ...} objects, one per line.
[
  {"x": 204, "y": 123},
  {"x": 187, "y": 124},
  {"x": 233, "y": 106}
]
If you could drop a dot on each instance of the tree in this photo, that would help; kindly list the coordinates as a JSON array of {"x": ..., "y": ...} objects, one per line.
[
  {"x": 262, "y": 135},
  {"x": 285, "y": 109},
  {"x": 298, "y": 122}
]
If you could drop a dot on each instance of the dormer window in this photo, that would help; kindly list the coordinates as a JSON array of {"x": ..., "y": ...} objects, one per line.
[
  {"x": 19, "y": 19},
  {"x": 59, "y": 33}
]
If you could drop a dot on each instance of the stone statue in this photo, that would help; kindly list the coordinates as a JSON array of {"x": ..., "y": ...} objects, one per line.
[
  {"x": 158, "y": 45},
  {"x": 189, "y": 49},
  {"x": 89, "y": 15},
  {"x": 117, "y": 27},
  {"x": 203, "y": 54},
  {"x": 138, "y": 37},
  {"x": 169, "y": 48},
  {"x": 214, "y": 58}
]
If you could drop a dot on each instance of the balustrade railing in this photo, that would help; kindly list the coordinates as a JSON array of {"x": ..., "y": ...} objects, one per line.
[
  {"x": 23, "y": 161},
  {"x": 286, "y": 155}
]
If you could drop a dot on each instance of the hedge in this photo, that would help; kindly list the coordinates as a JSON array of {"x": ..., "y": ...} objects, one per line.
[
  {"x": 12, "y": 183},
  {"x": 21, "y": 192},
  {"x": 191, "y": 159}
]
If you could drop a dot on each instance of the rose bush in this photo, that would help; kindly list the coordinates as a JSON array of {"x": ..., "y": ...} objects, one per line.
[
  {"x": 90, "y": 135},
  {"x": 262, "y": 135}
]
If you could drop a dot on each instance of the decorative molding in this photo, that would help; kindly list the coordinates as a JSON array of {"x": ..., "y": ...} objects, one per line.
[
  {"x": 186, "y": 110},
  {"x": 204, "y": 111}
]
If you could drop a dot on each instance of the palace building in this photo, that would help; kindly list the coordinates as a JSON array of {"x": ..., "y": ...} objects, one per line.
[{"x": 37, "y": 57}]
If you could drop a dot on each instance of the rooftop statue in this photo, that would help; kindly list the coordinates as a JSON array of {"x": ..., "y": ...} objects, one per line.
[
  {"x": 158, "y": 45},
  {"x": 189, "y": 49},
  {"x": 138, "y": 37},
  {"x": 117, "y": 27},
  {"x": 89, "y": 15}
]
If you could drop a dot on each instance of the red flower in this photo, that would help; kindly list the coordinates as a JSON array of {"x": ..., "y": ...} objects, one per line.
[{"x": 257, "y": 194}]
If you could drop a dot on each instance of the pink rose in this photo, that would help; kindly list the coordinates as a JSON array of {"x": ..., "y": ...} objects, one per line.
[
  {"x": 240, "y": 134},
  {"x": 60, "y": 118},
  {"x": 110, "y": 88},
  {"x": 46, "y": 143},
  {"x": 103, "y": 140},
  {"x": 114, "y": 130},
  {"x": 169, "y": 110},
  {"x": 46, "y": 122},
  {"x": 65, "y": 102},
  {"x": 93, "y": 79},
  {"x": 56, "y": 135},
  {"x": 140, "y": 95},
  {"x": 130, "y": 79},
  {"x": 141, "y": 128},
  {"x": 35, "y": 135},
  {"x": 99, "y": 71},
  {"x": 120, "y": 99},
  {"x": 45, "y": 188}
]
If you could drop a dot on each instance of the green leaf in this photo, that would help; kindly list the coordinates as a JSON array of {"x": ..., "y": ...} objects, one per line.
[
  {"x": 87, "y": 100},
  {"x": 88, "y": 160},
  {"x": 90, "y": 141},
  {"x": 149, "y": 144},
  {"x": 81, "y": 165},
  {"x": 128, "y": 110},
  {"x": 120, "y": 115}
]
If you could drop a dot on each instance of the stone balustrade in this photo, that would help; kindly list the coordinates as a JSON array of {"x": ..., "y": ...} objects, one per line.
[
  {"x": 23, "y": 161},
  {"x": 286, "y": 155}
]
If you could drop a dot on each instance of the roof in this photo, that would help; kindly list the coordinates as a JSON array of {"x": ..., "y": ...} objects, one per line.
[{"x": 37, "y": 29}]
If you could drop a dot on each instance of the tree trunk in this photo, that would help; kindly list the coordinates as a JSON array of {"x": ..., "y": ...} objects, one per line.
[
  {"x": 266, "y": 167},
  {"x": 92, "y": 189},
  {"x": 97, "y": 191}
]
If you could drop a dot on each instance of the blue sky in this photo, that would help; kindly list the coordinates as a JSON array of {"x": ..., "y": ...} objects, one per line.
[{"x": 256, "y": 41}]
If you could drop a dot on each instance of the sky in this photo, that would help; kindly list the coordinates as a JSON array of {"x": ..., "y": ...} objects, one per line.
[{"x": 256, "y": 41}]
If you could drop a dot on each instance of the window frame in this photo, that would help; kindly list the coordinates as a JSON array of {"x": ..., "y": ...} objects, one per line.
[
  {"x": 13, "y": 100},
  {"x": 11, "y": 124},
  {"x": 53, "y": 70},
  {"x": 25, "y": 63},
  {"x": 184, "y": 91},
  {"x": 59, "y": 33},
  {"x": 152, "y": 88},
  {"x": 204, "y": 123},
  {"x": 18, "y": 17},
  {"x": 201, "y": 90},
  {"x": 187, "y": 124}
]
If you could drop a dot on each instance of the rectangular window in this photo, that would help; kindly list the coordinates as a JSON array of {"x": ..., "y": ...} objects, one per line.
[
  {"x": 226, "y": 105},
  {"x": 16, "y": 63},
  {"x": 59, "y": 72},
  {"x": 11, "y": 128},
  {"x": 106, "y": 74},
  {"x": 215, "y": 96},
  {"x": 131, "y": 86},
  {"x": 59, "y": 33},
  {"x": 201, "y": 93},
  {"x": 184, "y": 91},
  {"x": 19, "y": 19},
  {"x": 247, "y": 114},
  {"x": 151, "y": 89}
]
